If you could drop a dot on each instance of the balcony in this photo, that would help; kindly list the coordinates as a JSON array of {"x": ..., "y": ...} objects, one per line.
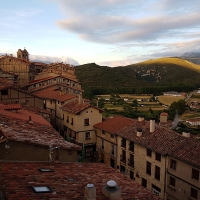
[
  {"x": 131, "y": 163},
  {"x": 123, "y": 158}
]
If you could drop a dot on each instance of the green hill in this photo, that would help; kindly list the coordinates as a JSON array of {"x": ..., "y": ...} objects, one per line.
[{"x": 152, "y": 76}]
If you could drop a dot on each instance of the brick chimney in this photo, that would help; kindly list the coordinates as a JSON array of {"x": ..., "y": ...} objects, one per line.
[
  {"x": 140, "y": 119},
  {"x": 152, "y": 125},
  {"x": 111, "y": 190},
  {"x": 90, "y": 192}
]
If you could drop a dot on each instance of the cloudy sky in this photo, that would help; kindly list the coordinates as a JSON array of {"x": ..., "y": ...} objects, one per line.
[{"x": 107, "y": 32}]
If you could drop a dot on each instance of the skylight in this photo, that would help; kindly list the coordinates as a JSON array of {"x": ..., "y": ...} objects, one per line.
[
  {"x": 45, "y": 170},
  {"x": 41, "y": 189}
]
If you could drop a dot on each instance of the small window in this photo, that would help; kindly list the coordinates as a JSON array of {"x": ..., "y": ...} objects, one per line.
[
  {"x": 112, "y": 135},
  {"x": 113, "y": 149},
  {"x": 157, "y": 172},
  {"x": 148, "y": 168},
  {"x": 195, "y": 174},
  {"x": 103, "y": 132},
  {"x": 4, "y": 92},
  {"x": 172, "y": 181},
  {"x": 41, "y": 189},
  {"x": 173, "y": 164},
  {"x": 144, "y": 182},
  {"x": 87, "y": 135},
  {"x": 102, "y": 144},
  {"x": 72, "y": 122},
  {"x": 86, "y": 122},
  {"x": 158, "y": 156},
  {"x": 193, "y": 193},
  {"x": 149, "y": 152},
  {"x": 67, "y": 119}
]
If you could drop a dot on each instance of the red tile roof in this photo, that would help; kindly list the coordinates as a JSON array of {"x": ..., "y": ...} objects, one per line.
[
  {"x": 19, "y": 178},
  {"x": 33, "y": 133},
  {"x": 40, "y": 80},
  {"x": 112, "y": 125},
  {"x": 10, "y": 106},
  {"x": 23, "y": 115},
  {"x": 54, "y": 95},
  {"x": 75, "y": 108},
  {"x": 164, "y": 141}
]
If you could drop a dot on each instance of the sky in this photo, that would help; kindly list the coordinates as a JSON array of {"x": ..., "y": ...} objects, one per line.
[{"x": 106, "y": 32}]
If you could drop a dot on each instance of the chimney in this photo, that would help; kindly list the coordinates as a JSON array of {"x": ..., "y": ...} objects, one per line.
[
  {"x": 111, "y": 190},
  {"x": 152, "y": 125},
  {"x": 140, "y": 119},
  {"x": 185, "y": 134},
  {"x": 139, "y": 132},
  {"x": 30, "y": 120},
  {"x": 163, "y": 117},
  {"x": 90, "y": 192}
]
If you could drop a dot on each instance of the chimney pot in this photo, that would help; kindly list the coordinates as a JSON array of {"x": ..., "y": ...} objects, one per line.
[
  {"x": 90, "y": 192},
  {"x": 139, "y": 132}
]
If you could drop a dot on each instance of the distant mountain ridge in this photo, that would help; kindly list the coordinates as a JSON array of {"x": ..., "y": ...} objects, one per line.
[
  {"x": 192, "y": 57},
  {"x": 172, "y": 73}
]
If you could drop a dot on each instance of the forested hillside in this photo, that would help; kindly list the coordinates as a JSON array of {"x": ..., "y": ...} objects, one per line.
[{"x": 153, "y": 76}]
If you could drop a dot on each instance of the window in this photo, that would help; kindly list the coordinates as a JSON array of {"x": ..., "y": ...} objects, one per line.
[
  {"x": 113, "y": 149},
  {"x": 87, "y": 135},
  {"x": 102, "y": 144},
  {"x": 131, "y": 146},
  {"x": 86, "y": 122},
  {"x": 103, "y": 132},
  {"x": 4, "y": 92},
  {"x": 149, "y": 152},
  {"x": 156, "y": 190},
  {"x": 195, "y": 174},
  {"x": 193, "y": 193},
  {"x": 123, "y": 143},
  {"x": 72, "y": 122},
  {"x": 173, "y": 164},
  {"x": 172, "y": 181},
  {"x": 157, "y": 172},
  {"x": 112, "y": 135},
  {"x": 148, "y": 168},
  {"x": 158, "y": 156},
  {"x": 144, "y": 182},
  {"x": 67, "y": 119}
]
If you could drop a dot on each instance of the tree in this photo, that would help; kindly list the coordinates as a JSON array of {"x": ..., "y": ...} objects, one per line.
[
  {"x": 178, "y": 106},
  {"x": 151, "y": 110},
  {"x": 127, "y": 108},
  {"x": 135, "y": 104}
]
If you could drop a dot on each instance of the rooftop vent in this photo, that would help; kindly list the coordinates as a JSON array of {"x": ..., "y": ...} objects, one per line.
[
  {"x": 139, "y": 132},
  {"x": 140, "y": 119},
  {"x": 111, "y": 190},
  {"x": 186, "y": 134},
  {"x": 90, "y": 192},
  {"x": 152, "y": 125}
]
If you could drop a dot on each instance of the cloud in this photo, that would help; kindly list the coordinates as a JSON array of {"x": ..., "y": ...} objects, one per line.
[
  {"x": 117, "y": 21},
  {"x": 49, "y": 59}
]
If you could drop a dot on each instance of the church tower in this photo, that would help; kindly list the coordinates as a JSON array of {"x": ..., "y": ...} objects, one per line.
[{"x": 23, "y": 54}]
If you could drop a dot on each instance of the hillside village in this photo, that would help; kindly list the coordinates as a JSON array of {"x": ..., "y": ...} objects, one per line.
[{"x": 55, "y": 145}]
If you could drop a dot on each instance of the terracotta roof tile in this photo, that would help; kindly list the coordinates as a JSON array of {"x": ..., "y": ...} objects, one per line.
[
  {"x": 75, "y": 108},
  {"x": 19, "y": 130},
  {"x": 55, "y": 95},
  {"x": 112, "y": 125},
  {"x": 19, "y": 177},
  {"x": 10, "y": 106}
]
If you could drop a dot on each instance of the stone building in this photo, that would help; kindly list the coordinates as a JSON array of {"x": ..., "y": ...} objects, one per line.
[{"x": 160, "y": 159}]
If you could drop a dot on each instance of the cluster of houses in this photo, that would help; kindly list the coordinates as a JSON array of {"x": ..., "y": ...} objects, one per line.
[{"x": 45, "y": 124}]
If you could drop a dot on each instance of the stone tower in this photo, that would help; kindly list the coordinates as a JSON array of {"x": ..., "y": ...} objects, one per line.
[{"x": 23, "y": 54}]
